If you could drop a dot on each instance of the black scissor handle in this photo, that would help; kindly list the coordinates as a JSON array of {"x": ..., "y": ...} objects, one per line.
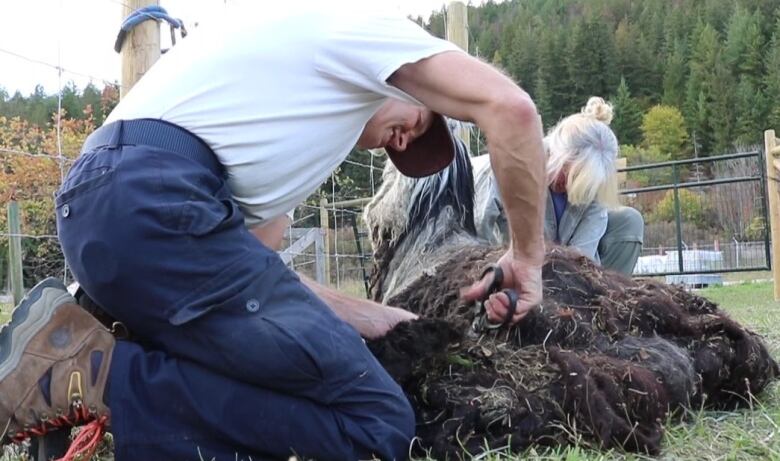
[
  {"x": 498, "y": 278},
  {"x": 513, "y": 299},
  {"x": 495, "y": 287}
]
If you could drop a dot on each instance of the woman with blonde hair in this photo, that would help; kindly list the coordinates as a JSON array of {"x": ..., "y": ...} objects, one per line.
[{"x": 582, "y": 201}]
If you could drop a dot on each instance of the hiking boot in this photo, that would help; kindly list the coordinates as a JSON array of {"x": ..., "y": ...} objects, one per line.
[{"x": 54, "y": 361}]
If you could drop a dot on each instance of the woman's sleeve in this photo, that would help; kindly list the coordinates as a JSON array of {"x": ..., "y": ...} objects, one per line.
[{"x": 589, "y": 231}]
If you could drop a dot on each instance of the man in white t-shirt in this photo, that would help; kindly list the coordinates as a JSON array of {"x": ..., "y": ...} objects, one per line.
[{"x": 168, "y": 216}]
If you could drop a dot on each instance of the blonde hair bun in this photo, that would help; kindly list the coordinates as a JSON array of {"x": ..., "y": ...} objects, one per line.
[{"x": 598, "y": 109}]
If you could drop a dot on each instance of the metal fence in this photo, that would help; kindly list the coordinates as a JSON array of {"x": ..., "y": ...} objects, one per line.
[
  {"x": 341, "y": 257},
  {"x": 703, "y": 215}
]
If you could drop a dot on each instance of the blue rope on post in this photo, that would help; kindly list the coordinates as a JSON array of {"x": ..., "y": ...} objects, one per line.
[{"x": 153, "y": 12}]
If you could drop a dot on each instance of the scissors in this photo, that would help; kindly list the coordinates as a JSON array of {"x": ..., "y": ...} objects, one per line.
[{"x": 480, "y": 320}]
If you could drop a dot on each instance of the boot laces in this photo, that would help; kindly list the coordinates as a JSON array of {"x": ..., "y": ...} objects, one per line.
[{"x": 84, "y": 444}]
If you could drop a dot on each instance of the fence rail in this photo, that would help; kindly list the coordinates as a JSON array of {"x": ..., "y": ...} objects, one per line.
[
  {"x": 742, "y": 189},
  {"x": 677, "y": 247},
  {"x": 772, "y": 157}
]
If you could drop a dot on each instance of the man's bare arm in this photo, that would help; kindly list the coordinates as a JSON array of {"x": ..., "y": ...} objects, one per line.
[
  {"x": 271, "y": 234},
  {"x": 370, "y": 319},
  {"x": 460, "y": 86}
]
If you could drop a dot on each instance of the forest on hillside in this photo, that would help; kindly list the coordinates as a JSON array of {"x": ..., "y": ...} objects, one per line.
[
  {"x": 686, "y": 78},
  {"x": 716, "y": 61},
  {"x": 39, "y": 108}
]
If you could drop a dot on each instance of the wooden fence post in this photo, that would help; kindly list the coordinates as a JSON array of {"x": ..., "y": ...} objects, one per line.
[
  {"x": 319, "y": 257},
  {"x": 324, "y": 224},
  {"x": 141, "y": 47},
  {"x": 622, "y": 176},
  {"x": 15, "y": 252},
  {"x": 458, "y": 33},
  {"x": 772, "y": 155}
]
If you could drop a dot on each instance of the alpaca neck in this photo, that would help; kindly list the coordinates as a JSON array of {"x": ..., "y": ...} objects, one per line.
[{"x": 421, "y": 252}]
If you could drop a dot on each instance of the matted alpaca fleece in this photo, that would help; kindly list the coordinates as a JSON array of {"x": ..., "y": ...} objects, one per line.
[{"x": 604, "y": 357}]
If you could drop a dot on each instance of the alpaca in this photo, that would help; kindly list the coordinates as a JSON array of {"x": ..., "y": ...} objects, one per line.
[{"x": 604, "y": 357}]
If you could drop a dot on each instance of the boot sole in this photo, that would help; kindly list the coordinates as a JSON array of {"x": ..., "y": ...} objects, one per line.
[{"x": 27, "y": 319}]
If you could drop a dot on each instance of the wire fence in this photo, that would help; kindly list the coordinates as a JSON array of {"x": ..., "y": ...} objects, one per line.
[
  {"x": 349, "y": 256},
  {"x": 715, "y": 222},
  {"x": 703, "y": 216},
  {"x": 348, "y": 253},
  {"x": 40, "y": 251}
]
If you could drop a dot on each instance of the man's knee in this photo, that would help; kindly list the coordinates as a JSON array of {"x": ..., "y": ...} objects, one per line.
[
  {"x": 401, "y": 418},
  {"x": 381, "y": 429},
  {"x": 378, "y": 417},
  {"x": 404, "y": 417}
]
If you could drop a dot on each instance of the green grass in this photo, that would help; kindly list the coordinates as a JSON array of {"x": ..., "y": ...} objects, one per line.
[
  {"x": 749, "y": 434},
  {"x": 747, "y": 276}
]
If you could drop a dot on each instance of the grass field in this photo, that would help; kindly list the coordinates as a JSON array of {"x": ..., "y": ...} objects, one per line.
[{"x": 750, "y": 434}]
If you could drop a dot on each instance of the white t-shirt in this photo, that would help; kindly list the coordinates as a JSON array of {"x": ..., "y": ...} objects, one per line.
[{"x": 281, "y": 98}]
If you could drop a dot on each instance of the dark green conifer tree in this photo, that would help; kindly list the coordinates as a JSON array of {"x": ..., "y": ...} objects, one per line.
[{"x": 627, "y": 121}]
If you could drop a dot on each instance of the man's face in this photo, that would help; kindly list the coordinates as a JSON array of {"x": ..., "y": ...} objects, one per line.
[{"x": 396, "y": 124}]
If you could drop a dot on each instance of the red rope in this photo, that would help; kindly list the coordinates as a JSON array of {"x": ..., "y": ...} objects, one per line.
[{"x": 86, "y": 442}]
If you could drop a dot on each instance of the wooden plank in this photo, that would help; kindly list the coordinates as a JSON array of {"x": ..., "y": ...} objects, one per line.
[
  {"x": 15, "y": 252},
  {"x": 319, "y": 256},
  {"x": 325, "y": 225},
  {"x": 299, "y": 246},
  {"x": 773, "y": 193},
  {"x": 458, "y": 33},
  {"x": 297, "y": 232},
  {"x": 355, "y": 202}
]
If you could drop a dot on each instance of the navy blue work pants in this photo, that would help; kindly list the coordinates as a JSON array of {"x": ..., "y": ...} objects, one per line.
[{"x": 241, "y": 358}]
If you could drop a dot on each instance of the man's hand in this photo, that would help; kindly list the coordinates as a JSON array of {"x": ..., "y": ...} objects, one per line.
[
  {"x": 524, "y": 278},
  {"x": 460, "y": 86},
  {"x": 372, "y": 320},
  {"x": 389, "y": 317}
]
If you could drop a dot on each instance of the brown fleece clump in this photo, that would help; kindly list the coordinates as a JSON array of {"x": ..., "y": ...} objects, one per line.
[{"x": 604, "y": 357}]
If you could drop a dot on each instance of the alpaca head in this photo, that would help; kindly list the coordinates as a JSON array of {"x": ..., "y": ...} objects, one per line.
[{"x": 411, "y": 218}]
